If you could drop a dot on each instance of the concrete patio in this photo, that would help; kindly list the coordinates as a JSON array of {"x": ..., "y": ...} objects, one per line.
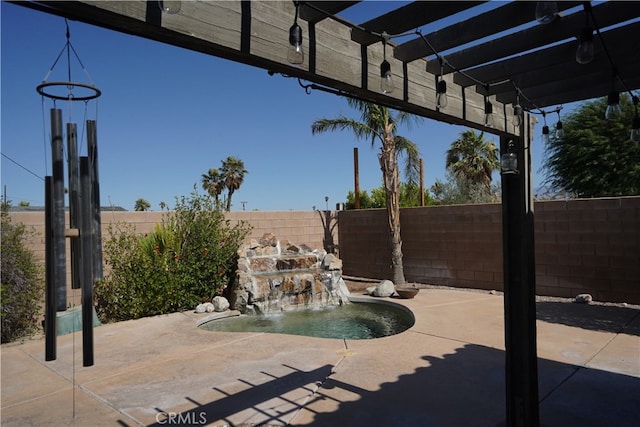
[{"x": 447, "y": 370}]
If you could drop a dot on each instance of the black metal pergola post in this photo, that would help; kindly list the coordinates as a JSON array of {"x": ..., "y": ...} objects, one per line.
[{"x": 521, "y": 366}]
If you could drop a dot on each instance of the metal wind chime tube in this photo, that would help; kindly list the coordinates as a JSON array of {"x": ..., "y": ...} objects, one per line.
[
  {"x": 72, "y": 152},
  {"x": 92, "y": 145},
  {"x": 86, "y": 249},
  {"x": 50, "y": 289},
  {"x": 59, "y": 247}
]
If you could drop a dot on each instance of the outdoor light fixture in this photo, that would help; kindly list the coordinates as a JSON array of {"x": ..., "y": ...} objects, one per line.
[
  {"x": 295, "y": 53},
  {"x": 488, "y": 113},
  {"x": 584, "y": 54},
  {"x": 559, "y": 128},
  {"x": 517, "y": 115},
  {"x": 509, "y": 160},
  {"x": 546, "y": 11},
  {"x": 170, "y": 7},
  {"x": 441, "y": 89},
  {"x": 386, "y": 81},
  {"x": 635, "y": 124},
  {"x": 545, "y": 129},
  {"x": 517, "y": 111},
  {"x": 613, "y": 111},
  {"x": 441, "y": 97}
]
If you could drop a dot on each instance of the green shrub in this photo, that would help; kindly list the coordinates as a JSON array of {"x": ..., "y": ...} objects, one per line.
[
  {"x": 189, "y": 258},
  {"x": 22, "y": 283}
]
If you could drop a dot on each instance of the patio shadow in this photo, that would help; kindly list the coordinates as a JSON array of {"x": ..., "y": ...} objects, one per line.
[
  {"x": 603, "y": 318},
  {"x": 465, "y": 388}
]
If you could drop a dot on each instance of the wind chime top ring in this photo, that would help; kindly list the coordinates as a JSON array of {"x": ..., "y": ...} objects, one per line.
[{"x": 44, "y": 89}]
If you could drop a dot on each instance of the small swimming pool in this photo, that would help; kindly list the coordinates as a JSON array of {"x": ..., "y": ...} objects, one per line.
[{"x": 355, "y": 321}]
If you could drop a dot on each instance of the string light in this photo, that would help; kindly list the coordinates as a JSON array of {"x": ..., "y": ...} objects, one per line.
[
  {"x": 559, "y": 128},
  {"x": 488, "y": 113},
  {"x": 613, "y": 111},
  {"x": 386, "y": 80},
  {"x": 545, "y": 128},
  {"x": 295, "y": 53},
  {"x": 441, "y": 89},
  {"x": 584, "y": 53},
  {"x": 546, "y": 12}
]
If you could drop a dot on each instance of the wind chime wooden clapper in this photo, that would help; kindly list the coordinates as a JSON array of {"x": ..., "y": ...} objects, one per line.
[{"x": 84, "y": 208}]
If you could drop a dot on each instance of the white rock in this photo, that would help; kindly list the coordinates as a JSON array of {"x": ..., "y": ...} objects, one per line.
[
  {"x": 209, "y": 307},
  {"x": 220, "y": 304},
  {"x": 584, "y": 298},
  {"x": 201, "y": 308},
  {"x": 384, "y": 289}
]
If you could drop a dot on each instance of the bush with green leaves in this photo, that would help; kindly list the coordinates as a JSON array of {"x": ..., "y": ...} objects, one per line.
[
  {"x": 22, "y": 282},
  {"x": 190, "y": 257}
]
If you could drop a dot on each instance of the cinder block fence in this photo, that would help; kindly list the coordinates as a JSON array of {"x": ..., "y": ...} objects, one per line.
[{"x": 581, "y": 246}]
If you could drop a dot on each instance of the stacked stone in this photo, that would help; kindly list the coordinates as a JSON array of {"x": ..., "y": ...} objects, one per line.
[{"x": 271, "y": 277}]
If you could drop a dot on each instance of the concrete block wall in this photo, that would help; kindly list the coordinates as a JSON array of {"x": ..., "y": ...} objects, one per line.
[
  {"x": 457, "y": 246},
  {"x": 589, "y": 246},
  {"x": 581, "y": 246}
]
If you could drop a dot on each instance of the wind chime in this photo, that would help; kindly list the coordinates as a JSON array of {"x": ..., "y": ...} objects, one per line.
[{"x": 84, "y": 207}]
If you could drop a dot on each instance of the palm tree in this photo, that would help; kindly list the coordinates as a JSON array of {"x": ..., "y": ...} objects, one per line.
[
  {"x": 233, "y": 173},
  {"x": 212, "y": 183},
  {"x": 473, "y": 159},
  {"x": 141, "y": 205},
  {"x": 378, "y": 123}
]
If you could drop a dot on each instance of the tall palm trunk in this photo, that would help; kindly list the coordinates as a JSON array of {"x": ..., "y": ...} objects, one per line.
[{"x": 391, "y": 176}]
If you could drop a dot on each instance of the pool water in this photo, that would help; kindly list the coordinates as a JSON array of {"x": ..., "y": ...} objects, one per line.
[{"x": 350, "y": 321}]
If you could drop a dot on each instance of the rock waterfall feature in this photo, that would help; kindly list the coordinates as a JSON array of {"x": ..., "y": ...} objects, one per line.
[{"x": 273, "y": 277}]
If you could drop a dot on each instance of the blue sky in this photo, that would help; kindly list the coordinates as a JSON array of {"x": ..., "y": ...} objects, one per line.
[{"x": 167, "y": 115}]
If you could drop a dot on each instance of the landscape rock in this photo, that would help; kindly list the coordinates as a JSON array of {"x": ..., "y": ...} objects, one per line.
[
  {"x": 386, "y": 288},
  {"x": 584, "y": 299},
  {"x": 331, "y": 262},
  {"x": 220, "y": 304}
]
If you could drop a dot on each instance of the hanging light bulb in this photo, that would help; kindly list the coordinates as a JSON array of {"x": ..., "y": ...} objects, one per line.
[
  {"x": 386, "y": 80},
  {"x": 545, "y": 128},
  {"x": 546, "y": 11},
  {"x": 441, "y": 88},
  {"x": 295, "y": 53},
  {"x": 509, "y": 160},
  {"x": 584, "y": 53},
  {"x": 635, "y": 124},
  {"x": 441, "y": 97},
  {"x": 170, "y": 7},
  {"x": 613, "y": 111},
  {"x": 488, "y": 113},
  {"x": 517, "y": 115},
  {"x": 559, "y": 128}
]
